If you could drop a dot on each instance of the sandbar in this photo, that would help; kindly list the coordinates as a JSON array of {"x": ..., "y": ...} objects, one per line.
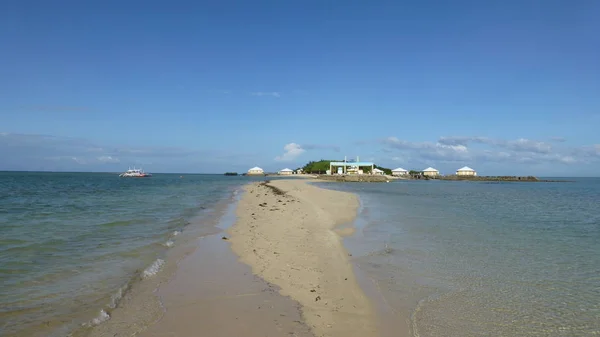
[{"x": 286, "y": 232}]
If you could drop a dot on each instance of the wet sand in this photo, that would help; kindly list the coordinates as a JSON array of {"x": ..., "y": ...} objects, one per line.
[
  {"x": 212, "y": 294},
  {"x": 285, "y": 232}
]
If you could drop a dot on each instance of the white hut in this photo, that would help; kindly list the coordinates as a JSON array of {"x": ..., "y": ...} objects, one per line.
[
  {"x": 431, "y": 172},
  {"x": 378, "y": 171},
  {"x": 286, "y": 172},
  {"x": 399, "y": 172},
  {"x": 256, "y": 171},
  {"x": 466, "y": 171}
]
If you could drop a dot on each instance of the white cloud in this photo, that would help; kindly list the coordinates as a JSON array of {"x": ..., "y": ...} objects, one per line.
[
  {"x": 460, "y": 149},
  {"x": 292, "y": 151},
  {"x": 262, "y": 93}
]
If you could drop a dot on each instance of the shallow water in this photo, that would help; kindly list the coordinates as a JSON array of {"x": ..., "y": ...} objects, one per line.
[
  {"x": 72, "y": 243},
  {"x": 480, "y": 259}
]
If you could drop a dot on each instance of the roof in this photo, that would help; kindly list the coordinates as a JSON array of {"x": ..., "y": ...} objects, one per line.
[
  {"x": 466, "y": 168},
  {"x": 377, "y": 170},
  {"x": 255, "y": 168},
  {"x": 399, "y": 169},
  {"x": 356, "y": 163},
  {"x": 286, "y": 170},
  {"x": 430, "y": 169}
]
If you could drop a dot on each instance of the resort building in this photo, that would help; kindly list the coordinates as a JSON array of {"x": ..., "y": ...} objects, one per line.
[
  {"x": 299, "y": 171},
  {"x": 431, "y": 172},
  {"x": 286, "y": 172},
  {"x": 350, "y": 167},
  {"x": 256, "y": 171},
  {"x": 466, "y": 171},
  {"x": 399, "y": 172},
  {"x": 378, "y": 172}
]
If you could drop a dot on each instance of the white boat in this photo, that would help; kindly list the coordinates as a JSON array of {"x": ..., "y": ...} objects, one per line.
[{"x": 135, "y": 173}]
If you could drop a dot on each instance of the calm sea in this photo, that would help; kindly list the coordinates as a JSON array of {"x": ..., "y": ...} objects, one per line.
[
  {"x": 71, "y": 243},
  {"x": 483, "y": 259}
]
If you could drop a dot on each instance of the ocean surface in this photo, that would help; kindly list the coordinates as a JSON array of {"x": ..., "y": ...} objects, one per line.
[
  {"x": 71, "y": 244},
  {"x": 483, "y": 259}
]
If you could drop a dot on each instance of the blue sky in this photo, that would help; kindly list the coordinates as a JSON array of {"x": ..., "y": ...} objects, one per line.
[{"x": 506, "y": 87}]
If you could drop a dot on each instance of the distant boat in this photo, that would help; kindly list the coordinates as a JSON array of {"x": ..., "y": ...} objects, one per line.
[{"x": 135, "y": 173}]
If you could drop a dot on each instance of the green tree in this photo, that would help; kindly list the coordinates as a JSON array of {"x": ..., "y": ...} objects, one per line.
[{"x": 319, "y": 167}]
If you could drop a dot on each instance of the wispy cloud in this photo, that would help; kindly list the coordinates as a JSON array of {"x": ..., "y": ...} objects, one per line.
[
  {"x": 335, "y": 148},
  {"x": 45, "y": 152},
  {"x": 108, "y": 159},
  {"x": 462, "y": 149},
  {"x": 558, "y": 139},
  {"x": 266, "y": 94}
]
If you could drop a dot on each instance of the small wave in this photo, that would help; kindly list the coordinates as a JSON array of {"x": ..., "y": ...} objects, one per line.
[
  {"x": 168, "y": 244},
  {"x": 153, "y": 269},
  {"x": 103, "y": 316},
  {"x": 175, "y": 233},
  {"x": 121, "y": 223},
  {"x": 116, "y": 298}
]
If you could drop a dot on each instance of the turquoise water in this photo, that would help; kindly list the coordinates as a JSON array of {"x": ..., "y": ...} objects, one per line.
[
  {"x": 484, "y": 259},
  {"x": 70, "y": 241}
]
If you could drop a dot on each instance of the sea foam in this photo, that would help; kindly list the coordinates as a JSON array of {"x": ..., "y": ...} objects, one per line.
[
  {"x": 102, "y": 317},
  {"x": 153, "y": 269}
]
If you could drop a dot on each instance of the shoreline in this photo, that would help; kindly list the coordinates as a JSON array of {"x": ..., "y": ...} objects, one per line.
[
  {"x": 287, "y": 231},
  {"x": 137, "y": 305}
]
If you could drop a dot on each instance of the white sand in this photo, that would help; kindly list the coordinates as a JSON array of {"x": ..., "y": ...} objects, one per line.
[{"x": 290, "y": 241}]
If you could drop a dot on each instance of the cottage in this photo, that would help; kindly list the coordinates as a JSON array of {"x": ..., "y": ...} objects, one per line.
[
  {"x": 466, "y": 171},
  {"x": 378, "y": 171},
  {"x": 431, "y": 172},
  {"x": 286, "y": 172},
  {"x": 256, "y": 171},
  {"x": 399, "y": 172}
]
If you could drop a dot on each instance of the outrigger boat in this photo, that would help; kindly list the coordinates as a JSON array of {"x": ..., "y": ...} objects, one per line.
[{"x": 135, "y": 173}]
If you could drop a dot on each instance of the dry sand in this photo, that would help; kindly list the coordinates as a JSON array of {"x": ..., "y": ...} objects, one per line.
[{"x": 285, "y": 232}]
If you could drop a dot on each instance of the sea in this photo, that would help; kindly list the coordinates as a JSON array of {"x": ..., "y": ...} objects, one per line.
[
  {"x": 72, "y": 245},
  {"x": 482, "y": 258},
  {"x": 448, "y": 258}
]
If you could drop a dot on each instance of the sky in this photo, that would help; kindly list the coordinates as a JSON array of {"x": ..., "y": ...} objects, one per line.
[{"x": 505, "y": 87}]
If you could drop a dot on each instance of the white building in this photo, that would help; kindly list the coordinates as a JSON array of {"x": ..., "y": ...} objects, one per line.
[
  {"x": 286, "y": 172},
  {"x": 299, "y": 171},
  {"x": 256, "y": 171},
  {"x": 378, "y": 172},
  {"x": 466, "y": 171},
  {"x": 399, "y": 172},
  {"x": 431, "y": 172}
]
